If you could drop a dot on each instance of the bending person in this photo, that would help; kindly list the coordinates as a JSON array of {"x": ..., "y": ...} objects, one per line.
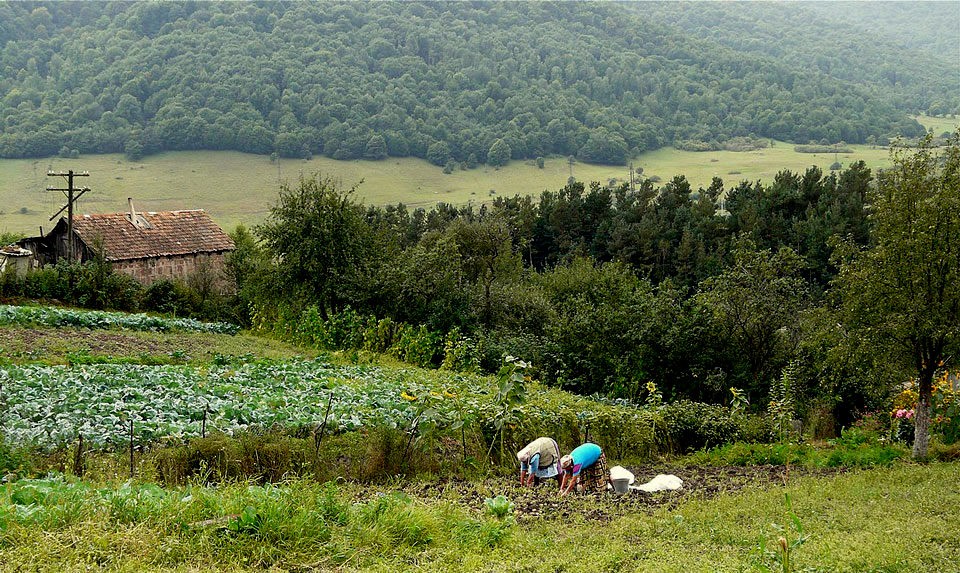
[
  {"x": 587, "y": 464},
  {"x": 540, "y": 459}
]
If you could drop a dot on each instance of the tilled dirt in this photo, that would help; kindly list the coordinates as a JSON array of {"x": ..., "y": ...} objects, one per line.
[
  {"x": 36, "y": 343},
  {"x": 543, "y": 502}
]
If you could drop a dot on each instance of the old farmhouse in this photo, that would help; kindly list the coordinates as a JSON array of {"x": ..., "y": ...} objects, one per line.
[{"x": 147, "y": 246}]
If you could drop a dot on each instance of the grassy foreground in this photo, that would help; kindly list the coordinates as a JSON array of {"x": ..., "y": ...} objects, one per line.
[
  {"x": 903, "y": 518},
  {"x": 239, "y": 188}
]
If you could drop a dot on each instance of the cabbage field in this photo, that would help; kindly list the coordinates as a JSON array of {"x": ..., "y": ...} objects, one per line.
[
  {"x": 98, "y": 319},
  {"x": 48, "y": 406}
]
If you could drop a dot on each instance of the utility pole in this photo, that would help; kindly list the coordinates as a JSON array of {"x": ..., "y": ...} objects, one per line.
[{"x": 71, "y": 199}]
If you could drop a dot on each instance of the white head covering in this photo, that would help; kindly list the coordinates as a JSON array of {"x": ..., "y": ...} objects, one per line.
[
  {"x": 566, "y": 461},
  {"x": 523, "y": 455}
]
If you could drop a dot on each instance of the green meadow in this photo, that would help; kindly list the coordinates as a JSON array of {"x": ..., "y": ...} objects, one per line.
[{"x": 239, "y": 188}]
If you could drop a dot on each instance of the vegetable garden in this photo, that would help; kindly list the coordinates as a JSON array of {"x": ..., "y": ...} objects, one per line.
[{"x": 57, "y": 317}]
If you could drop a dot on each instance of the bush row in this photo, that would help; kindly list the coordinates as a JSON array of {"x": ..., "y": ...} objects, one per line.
[
  {"x": 449, "y": 450},
  {"x": 96, "y": 286},
  {"x": 350, "y": 330}
]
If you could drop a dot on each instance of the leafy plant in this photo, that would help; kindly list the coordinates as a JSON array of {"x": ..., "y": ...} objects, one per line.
[
  {"x": 780, "y": 555},
  {"x": 509, "y": 399},
  {"x": 499, "y": 507},
  {"x": 781, "y": 408},
  {"x": 96, "y": 319}
]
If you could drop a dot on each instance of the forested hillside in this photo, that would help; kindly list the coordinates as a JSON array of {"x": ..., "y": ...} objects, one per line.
[
  {"x": 906, "y": 53},
  {"x": 467, "y": 83}
]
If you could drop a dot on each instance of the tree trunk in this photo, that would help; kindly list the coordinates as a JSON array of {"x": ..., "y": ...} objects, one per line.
[{"x": 921, "y": 418}]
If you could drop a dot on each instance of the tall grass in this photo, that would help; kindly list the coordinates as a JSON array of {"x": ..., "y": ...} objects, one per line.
[{"x": 902, "y": 518}]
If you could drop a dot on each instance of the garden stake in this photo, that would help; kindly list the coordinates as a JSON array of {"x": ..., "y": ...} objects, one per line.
[
  {"x": 318, "y": 435},
  {"x": 78, "y": 458},
  {"x": 413, "y": 434},
  {"x": 131, "y": 447},
  {"x": 203, "y": 424}
]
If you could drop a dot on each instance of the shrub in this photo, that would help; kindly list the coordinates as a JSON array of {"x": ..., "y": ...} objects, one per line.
[
  {"x": 748, "y": 454},
  {"x": 417, "y": 345},
  {"x": 380, "y": 335},
  {"x": 460, "y": 353},
  {"x": 865, "y": 456},
  {"x": 693, "y": 425},
  {"x": 815, "y": 148},
  {"x": 945, "y": 452}
]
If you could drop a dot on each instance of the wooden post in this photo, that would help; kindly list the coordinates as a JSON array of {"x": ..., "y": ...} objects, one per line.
[{"x": 203, "y": 425}]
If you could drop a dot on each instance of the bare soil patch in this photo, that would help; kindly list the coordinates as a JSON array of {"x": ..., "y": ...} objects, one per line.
[{"x": 543, "y": 501}]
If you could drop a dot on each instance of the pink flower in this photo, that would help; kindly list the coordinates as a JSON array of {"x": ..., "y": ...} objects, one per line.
[{"x": 903, "y": 413}]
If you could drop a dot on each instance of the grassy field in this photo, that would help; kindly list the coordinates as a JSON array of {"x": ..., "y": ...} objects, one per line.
[
  {"x": 239, "y": 188},
  {"x": 939, "y": 125},
  {"x": 899, "y": 519}
]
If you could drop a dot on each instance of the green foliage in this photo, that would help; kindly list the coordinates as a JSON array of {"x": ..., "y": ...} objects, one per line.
[
  {"x": 508, "y": 411},
  {"x": 12, "y": 460},
  {"x": 417, "y": 345},
  {"x": 781, "y": 407},
  {"x": 562, "y": 104},
  {"x": 842, "y": 454},
  {"x": 394, "y": 519},
  {"x": 460, "y": 353},
  {"x": 749, "y": 454},
  {"x": 781, "y": 557},
  {"x": 837, "y": 148},
  {"x": 317, "y": 234},
  {"x": 902, "y": 294},
  {"x": 753, "y": 304},
  {"x": 499, "y": 507},
  {"x": 865, "y": 456},
  {"x": 499, "y": 153},
  {"x": 689, "y": 426}
]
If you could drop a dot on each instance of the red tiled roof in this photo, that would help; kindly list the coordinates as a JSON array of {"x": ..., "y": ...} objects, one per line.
[{"x": 169, "y": 233}]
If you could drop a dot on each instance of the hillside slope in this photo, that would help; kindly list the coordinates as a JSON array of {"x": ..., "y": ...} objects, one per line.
[{"x": 449, "y": 82}]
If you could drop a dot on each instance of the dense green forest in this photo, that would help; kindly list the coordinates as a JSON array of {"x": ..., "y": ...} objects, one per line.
[
  {"x": 454, "y": 82},
  {"x": 905, "y": 53}
]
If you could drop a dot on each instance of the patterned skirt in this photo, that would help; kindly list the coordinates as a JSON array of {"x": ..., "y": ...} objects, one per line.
[{"x": 594, "y": 477}]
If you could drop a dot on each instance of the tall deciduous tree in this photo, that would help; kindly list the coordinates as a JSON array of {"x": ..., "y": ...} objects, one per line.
[
  {"x": 904, "y": 289},
  {"x": 754, "y": 304},
  {"x": 321, "y": 243}
]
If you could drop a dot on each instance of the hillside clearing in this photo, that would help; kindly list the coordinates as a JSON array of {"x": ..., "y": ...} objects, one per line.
[{"x": 240, "y": 188}]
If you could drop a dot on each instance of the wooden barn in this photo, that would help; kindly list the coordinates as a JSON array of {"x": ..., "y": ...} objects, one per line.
[{"x": 147, "y": 246}]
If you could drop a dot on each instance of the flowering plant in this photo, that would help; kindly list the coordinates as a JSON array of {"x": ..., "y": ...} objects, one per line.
[
  {"x": 944, "y": 414},
  {"x": 903, "y": 413}
]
